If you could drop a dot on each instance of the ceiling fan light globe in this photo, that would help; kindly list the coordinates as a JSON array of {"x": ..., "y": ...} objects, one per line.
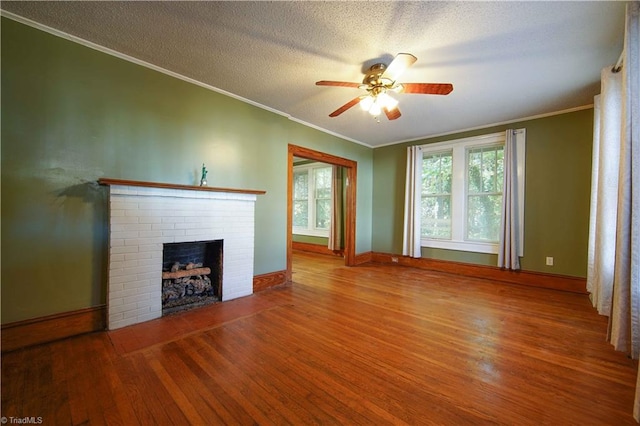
[
  {"x": 375, "y": 109},
  {"x": 366, "y": 103},
  {"x": 387, "y": 101}
]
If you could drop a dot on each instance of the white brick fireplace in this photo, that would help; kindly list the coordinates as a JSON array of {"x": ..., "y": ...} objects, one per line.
[{"x": 144, "y": 216}]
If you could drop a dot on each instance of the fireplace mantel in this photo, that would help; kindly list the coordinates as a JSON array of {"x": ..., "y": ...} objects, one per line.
[{"x": 124, "y": 182}]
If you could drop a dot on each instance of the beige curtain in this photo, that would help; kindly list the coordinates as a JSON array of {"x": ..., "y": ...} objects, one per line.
[
  {"x": 337, "y": 209},
  {"x": 625, "y": 326},
  {"x": 614, "y": 252},
  {"x": 509, "y": 222},
  {"x": 412, "y": 200},
  {"x": 625, "y": 306},
  {"x": 604, "y": 190}
]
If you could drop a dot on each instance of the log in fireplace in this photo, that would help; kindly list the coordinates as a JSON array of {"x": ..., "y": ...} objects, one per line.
[{"x": 191, "y": 275}]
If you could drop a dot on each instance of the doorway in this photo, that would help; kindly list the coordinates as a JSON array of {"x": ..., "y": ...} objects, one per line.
[{"x": 351, "y": 168}]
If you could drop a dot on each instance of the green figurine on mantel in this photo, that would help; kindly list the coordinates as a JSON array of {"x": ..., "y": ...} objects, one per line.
[{"x": 203, "y": 179}]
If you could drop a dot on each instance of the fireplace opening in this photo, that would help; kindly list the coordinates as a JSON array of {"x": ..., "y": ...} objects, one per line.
[{"x": 191, "y": 275}]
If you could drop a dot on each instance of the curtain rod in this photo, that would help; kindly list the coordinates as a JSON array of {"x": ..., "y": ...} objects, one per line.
[{"x": 618, "y": 66}]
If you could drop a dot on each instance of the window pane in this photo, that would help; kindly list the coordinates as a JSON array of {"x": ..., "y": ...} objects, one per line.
[
  {"x": 436, "y": 217},
  {"x": 323, "y": 214},
  {"x": 485, "y": 170},
  {"x": 485, "y": 174},
  {"x": 483, "y": 217},
  {"x": 436, "y": 173},
  {"x": 436, "y": 195},
  {"x": 300, "y": 185},
  {"x": 474, "y": 177},
  {"x": 300, "y": 213},
  {"x": 500, "y": 168},
  {"x": 322, "y": 178}
]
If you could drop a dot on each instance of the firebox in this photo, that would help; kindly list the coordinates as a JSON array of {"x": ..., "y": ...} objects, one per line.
[{"x": 191, "y": 275}]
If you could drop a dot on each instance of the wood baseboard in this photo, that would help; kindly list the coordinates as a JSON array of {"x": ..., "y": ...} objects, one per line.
[
  {"x": 271, "y": 279},
  {"x": 21, "y": 334},
  {"x": 316, "y": 248},
  {"x": 363, "y": 258},
  {"x": 530, "y": 278}
]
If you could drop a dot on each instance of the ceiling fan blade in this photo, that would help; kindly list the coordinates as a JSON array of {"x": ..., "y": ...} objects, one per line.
[
  {"x": 337, "y": 83},
  {"x": 392, "y": 113},
  {"x": 400, "y": 63},
  {"x": 345, "y": 107},
  {"x": 427, "y": 88}
]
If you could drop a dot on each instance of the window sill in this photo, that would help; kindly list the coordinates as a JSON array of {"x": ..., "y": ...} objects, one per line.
[
  {"x": 473, "y": 246},
  {"x": 311, "y": 233}
]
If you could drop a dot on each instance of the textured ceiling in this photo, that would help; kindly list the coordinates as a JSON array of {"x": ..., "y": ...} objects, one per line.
[{"x": 506, "y": 60}]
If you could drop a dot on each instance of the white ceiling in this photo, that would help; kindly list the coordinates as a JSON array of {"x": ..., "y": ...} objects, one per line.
[{"x": 506, "y": 60}]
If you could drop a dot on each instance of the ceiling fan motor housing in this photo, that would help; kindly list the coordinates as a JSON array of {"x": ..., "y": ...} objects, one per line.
[{"x": 373, "y": 77}]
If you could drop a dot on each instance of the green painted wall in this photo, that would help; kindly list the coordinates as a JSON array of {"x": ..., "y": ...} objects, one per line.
[
  {"x": 557, "y": 186},
  {"x": 71, "y": 115}
]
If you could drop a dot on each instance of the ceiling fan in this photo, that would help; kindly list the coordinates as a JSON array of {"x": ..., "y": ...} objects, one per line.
[{"x": 381, "y": 79}]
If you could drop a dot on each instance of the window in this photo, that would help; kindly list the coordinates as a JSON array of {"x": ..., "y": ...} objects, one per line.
[
  {"x": 461, "y": 193},
  {"x": 485, "y": 178},
  {"x": 312, "y": 199},
  {"x": 437, "y": 172}
]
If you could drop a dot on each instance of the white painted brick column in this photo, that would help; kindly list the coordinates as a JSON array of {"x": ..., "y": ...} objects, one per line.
[{"x": 142, "y": 219}]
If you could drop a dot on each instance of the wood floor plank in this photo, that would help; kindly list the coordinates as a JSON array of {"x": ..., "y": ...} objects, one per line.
[
  {"x": 83, "y": 404},
  {"x": 288, "y": 377},
  {"x": 57, "y": 390},
  {"x": 157, "y": 399},
  {"x": 176, "y": 392},
  {"x": 180, "y": 363},
  {"x": 134, "y": 390},
  {"x": 13, "y": 374},
  {"x": 36, "y": 382},
  {"x": 237, "y": 410},
  {"x": 266, "y": 379},
  {"x": 374, "y": 344},
  {"x": 113, "y": 373},
  {"x": 266, "y": 406}
]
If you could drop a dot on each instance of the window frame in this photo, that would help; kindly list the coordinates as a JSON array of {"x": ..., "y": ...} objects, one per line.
[
  {"x": 311, "y": 229},
  {"x": 459, "y": 191}
]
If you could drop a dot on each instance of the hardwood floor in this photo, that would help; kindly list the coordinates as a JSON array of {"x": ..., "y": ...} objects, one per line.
[{"x": 367, "y": 345}]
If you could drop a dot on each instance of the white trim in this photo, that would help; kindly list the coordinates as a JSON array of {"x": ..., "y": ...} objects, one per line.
[
  {"x": 488, "y": 139},
  {"x": 473, "y": 246},
  {"x": 310, "y": 232},
  {"x": 485, "y": 126},
  {"x": 329, "y": 132}
]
